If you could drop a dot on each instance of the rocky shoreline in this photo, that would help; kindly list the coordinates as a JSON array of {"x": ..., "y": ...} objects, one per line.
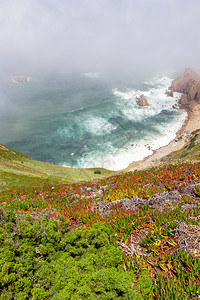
[{"x": 188, "y": 84}]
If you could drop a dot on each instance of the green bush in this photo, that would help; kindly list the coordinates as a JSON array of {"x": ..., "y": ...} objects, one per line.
[
  {"x": 41, "y": 259},
  {"x": 97, "y": 172}
]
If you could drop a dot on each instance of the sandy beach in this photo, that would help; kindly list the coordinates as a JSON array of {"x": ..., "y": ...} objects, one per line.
[{"x": 192, "y": 123}]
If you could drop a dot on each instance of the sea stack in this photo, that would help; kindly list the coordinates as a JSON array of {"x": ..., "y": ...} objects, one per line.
[
  {"x": 20, "y": 79},
  {"x": 142, "y": 100},
  {"x": 188, "y": 83}
]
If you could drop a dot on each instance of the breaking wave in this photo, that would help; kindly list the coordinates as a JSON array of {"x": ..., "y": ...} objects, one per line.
[{"x": 94, "y": 123}]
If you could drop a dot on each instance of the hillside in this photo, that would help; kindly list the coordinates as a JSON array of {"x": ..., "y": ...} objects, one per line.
[
  {"x": 18, "y": 170},
  {"x": 76, "y": 234},
  {"x": 130, "y": 236}
]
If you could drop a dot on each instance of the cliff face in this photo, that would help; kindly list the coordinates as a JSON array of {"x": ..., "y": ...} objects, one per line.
[{"x": 188, "y": 84}]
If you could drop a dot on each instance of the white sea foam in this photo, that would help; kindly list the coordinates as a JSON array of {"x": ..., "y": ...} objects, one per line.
[
  {"x": 117, "y": 159},
  {"x": 159, "y": 80},
  {"x": 75, "y": 110},
  {"x": 95, "y": 159},
  {"x": 143, "y": 148},
  {"x": 92, "y": 74},
  {"x": 114, "y": 159},
  {"x": 95, "y": 125},
  {"x": 98, "y": 125},
  {"x": 157, "y": 99}
]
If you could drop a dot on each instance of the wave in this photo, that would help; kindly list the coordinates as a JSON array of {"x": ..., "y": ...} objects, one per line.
[
  {"x": 157, "y": 99},
  {"x": 118, "y": 159},
  {"x": 98, "y": 126},
  {"x": 162, "y": 79},
  {"x": 160, "y": 105},
  {"x": 121, "y": 132},
  {"x": 107, "y": 128},
  {"x": 92, "y": 74}
]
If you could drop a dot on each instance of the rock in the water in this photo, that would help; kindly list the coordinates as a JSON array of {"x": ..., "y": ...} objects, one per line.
[
  {"x": 170, "y": 93},
  {"x": 142, "y": 100}
]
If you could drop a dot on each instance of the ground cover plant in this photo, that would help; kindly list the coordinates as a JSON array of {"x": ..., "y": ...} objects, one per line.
[
  {"x": 190, "y": 153},
  {"x": 130, "y": 236}
]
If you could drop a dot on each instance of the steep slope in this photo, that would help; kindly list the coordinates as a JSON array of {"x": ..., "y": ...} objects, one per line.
[
  {"x": 133, "y": 235},
  {"x": 17, "y": 169},
  {"x": 188, "y": 83}
]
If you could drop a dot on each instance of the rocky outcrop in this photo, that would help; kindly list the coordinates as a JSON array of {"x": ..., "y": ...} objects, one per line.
[
  {"x": 142, "y": 100},
  {"x": 184, "y": 99},
  {"x": 170, "y": 93},
  {"x": 19, "y": 79},
  {"x": 188, "y": 84}
]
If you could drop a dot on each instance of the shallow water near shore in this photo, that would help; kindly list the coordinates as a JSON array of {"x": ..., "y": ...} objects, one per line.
[{"x": 89, "y": 120}]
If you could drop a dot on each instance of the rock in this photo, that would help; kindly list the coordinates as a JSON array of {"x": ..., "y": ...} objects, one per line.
[
  {"x": 19, "y": 79},
  {"x": 170, "y": 92},
  {"x": 188, "y": 84},
  {"x": 142, "y": 100},
  {"x": 184, "y": 99}
]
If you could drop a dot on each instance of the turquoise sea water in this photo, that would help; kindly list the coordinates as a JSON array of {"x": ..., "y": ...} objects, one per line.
[{"x": 88, "y": 120}]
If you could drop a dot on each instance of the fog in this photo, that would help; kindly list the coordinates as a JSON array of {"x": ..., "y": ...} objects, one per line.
[{"x": 52, "y": 36}]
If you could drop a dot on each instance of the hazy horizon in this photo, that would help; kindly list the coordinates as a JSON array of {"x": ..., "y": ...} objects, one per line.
[
  {"x": 127, "y": 41},
  {"x": 127, "y": 37}
]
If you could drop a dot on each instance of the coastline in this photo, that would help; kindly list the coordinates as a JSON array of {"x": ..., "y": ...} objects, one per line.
[{"x": 182, "y": 136}]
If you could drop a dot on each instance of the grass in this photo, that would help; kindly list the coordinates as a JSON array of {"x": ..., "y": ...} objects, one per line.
[
  {"x": 17, "y": 169},
  {"x": 190, "y": 153},
  {"x": 56, "y": 230},
  {"x": 127, "y": 236}
]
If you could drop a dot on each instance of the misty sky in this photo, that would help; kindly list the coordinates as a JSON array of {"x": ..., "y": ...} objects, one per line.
[{"x": 98, "y": 35}]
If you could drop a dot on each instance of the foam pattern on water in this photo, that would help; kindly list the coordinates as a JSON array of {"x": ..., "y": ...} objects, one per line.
[{"x": 90, "y": 122}]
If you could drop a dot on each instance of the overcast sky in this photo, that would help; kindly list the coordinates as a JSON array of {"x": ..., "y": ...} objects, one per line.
[{"x": 98, "y": 35}]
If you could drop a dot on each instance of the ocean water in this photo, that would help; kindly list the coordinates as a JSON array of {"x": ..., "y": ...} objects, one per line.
[{"x": 88, "y": 120}]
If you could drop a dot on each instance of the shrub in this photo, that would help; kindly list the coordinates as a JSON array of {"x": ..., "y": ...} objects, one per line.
[
  {"x": 38, "y": 260},
  {"x": 97, "y": 172}
]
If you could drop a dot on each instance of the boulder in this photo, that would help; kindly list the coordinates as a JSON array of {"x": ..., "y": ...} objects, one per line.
[
  {"x": 170, "y": 92},
  {"x": 142, "y": 100}
]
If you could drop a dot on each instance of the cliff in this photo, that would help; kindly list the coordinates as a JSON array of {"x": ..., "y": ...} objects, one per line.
[{"x": 188, "y": 84}]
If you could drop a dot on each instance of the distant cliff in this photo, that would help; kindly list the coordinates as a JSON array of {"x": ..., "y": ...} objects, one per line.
[{"x": 188, "y": 84}]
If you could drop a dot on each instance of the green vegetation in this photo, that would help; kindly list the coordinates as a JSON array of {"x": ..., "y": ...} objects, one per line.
[
  {"x": 195, "y": 135},
  {"x": 17, "y": 169},
  {"x": 43, "y": 259},
  {"x": 190, "y": 153},
  {"x": 128, "y": 236},
  {"x": 97, "y": 172}
]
